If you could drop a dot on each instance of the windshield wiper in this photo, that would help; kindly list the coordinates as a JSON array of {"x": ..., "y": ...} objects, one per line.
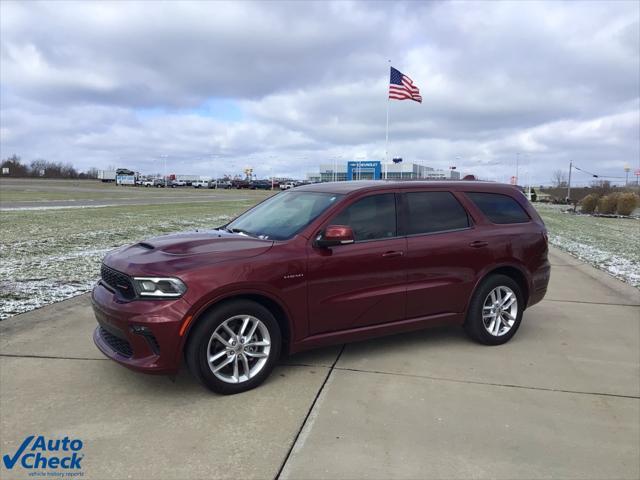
[{"x": 239, "y": 230}]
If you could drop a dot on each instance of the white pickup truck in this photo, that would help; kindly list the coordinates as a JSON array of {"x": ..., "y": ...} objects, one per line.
[
  {"x": 287, "y": 186},
  {"x": 202, "y": 184},
  {"x": 147, "y": 183}
]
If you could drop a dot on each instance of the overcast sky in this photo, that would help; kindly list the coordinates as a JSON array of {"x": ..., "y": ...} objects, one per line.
[{"x": 284, "y": 86}]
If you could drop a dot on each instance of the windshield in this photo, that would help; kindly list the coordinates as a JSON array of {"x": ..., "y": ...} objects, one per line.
[{"x": 283, "y": 215}]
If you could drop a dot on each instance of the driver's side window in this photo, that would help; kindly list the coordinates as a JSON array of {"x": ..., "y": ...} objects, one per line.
[{"x": 370, "y": 218}]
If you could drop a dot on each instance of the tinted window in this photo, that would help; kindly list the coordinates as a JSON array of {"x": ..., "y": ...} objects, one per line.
[
  {"x": 499, "y": 208},
  {"x": 370, "y": 218},
  {"x": 429, "y": 212}
]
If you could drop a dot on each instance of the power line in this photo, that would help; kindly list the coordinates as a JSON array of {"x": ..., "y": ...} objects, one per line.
[{"x": 595, "y": 175}]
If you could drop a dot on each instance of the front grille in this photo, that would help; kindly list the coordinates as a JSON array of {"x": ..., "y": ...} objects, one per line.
[
  {"x": 118, "y": 281},
  {"x": 118, "y": 344}
]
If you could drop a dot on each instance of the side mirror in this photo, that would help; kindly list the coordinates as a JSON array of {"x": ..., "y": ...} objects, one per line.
[{"x": 335, "y": 235}]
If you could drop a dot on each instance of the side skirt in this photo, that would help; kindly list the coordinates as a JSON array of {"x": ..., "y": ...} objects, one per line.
[{"x": 373, "y": 331}]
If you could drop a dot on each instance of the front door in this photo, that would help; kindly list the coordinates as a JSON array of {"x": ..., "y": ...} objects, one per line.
[{"x": 362, "y": 283}]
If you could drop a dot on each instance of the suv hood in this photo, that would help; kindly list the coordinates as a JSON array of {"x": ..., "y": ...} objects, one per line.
[{"x": 182, "y": 251}]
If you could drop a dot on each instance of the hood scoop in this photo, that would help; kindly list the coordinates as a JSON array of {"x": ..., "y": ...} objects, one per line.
[{"x": 195, "y": 243}]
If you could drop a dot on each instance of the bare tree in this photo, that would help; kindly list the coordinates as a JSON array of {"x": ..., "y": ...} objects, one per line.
[
  {"x": 15, "y": 166},
  {"x": 92, "y": 172},
  {"x": 559, "y": 178}
]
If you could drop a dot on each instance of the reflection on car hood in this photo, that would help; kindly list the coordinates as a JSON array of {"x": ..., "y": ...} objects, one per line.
[{"x": 182, "y": 251}]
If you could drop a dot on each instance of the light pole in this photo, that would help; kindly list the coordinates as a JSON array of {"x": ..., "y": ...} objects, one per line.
[
  {"x": 517, "y": 165},
  {"x": 529, "y": 175},
  {"x": 569, "y": 183},
  {"x": 164, "y": 174},
  {"x": 335, "y": 167},
  {"x": 627, "y": 168},
  {"x": 271, "y": 157},
  {"x": 213, "y": 156}
]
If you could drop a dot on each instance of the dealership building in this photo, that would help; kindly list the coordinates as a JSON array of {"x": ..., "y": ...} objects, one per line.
[{"x": 375, "y": 170}]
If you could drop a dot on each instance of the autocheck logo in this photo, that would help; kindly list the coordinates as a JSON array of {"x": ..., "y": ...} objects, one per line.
[{"x": 38, "y": 453}]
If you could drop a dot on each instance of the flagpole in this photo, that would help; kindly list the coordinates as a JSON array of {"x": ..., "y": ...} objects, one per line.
[{"x": 386, "y": 141}]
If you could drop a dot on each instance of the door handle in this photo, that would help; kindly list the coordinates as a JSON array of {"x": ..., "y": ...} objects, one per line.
[
  {"x": 393, "y": 254},
  {"x": 478, "y": 244}
]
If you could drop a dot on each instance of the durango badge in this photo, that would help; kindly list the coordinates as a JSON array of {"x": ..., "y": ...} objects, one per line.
[{"x": 39, "y": 453}]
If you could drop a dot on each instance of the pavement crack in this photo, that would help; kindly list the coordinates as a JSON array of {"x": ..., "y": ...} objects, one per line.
[
  {"x": 491, "y": 384},
  {"x": 593, "y": 303},
  {"x": 313, "y": 404},
  {"x": 50, "y": 357}
]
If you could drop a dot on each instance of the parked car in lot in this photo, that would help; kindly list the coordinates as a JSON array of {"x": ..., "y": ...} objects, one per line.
[
  {"x": 160, "y": 183},
  {"x": 323, "y": 264},
  {"x": 224, "y": 184},
  {"x": 287, "y": 185},
  {"x": 240, "y": 184},
  {"x": 261, "y": 185},
  {"x": 203, "y": 184},
  {"x": 147, "y": 183},
  {"x": 179, "y": 183}
]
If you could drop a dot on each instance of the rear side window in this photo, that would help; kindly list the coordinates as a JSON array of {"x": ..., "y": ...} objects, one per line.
[
  {"x": 429, "y": 212},
  {"x": 499, "y": 208},
  {"x": 370, "y": 218}
]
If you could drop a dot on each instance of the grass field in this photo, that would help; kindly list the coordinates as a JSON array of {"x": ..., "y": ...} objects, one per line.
[
  {"x": 610, "y": 244},
  {"x": 53, "y": 254},
  {"x": 50, "y": 255}
]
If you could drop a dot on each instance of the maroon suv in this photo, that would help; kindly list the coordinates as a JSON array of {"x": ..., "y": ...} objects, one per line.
[{"x": 323, "y": 264}]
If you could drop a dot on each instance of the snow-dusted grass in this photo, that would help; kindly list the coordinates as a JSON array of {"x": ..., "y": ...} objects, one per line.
[
  {"x": 49, "y": 255},
  {"x": 610, "y": 244}
]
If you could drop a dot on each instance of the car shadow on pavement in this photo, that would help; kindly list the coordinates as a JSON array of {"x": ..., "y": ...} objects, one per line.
[{"x": 318, "y": 361}]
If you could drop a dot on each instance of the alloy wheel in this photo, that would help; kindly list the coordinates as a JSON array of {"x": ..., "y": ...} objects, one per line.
[
  {"x": 499, "y": 311},
  {"x": 239, "y": 349}
]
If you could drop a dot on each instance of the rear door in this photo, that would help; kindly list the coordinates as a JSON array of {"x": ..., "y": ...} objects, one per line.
[
  {"x": 362, "y": 283},
  {"x": 444, "y": 253}
]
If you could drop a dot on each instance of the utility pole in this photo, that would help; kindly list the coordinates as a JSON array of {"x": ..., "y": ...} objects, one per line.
[
  {"x": 569, "y": 183},
  {"x": 517, "y": 164}
]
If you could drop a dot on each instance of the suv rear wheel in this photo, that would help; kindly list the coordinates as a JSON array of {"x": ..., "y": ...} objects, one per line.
[
  {"x": 234, "y": 347},
  {"x": 495, "y": 311}
]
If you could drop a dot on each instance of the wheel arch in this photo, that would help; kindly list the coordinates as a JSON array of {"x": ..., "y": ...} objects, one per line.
[
  {"x": 514, "y": 272},
  {"x": 267, "y": 301}
]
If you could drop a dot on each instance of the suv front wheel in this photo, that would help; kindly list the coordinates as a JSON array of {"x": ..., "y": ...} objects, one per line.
[
  {"x": 495, "y": 311},
  {"x": 234, "y": 347}
]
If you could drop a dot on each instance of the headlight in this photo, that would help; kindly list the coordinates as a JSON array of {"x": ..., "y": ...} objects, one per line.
[{"x": 159, "y": 287}]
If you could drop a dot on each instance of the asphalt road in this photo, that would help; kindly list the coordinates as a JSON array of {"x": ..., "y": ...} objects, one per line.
[
  {"x": 561, "y": 400},
  {"x": 43, "y": 193},
  {"x": 107, "y": 202}
]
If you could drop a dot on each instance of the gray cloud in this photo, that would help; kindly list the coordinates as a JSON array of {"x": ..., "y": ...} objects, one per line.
[{"x": 99, "y": 84}]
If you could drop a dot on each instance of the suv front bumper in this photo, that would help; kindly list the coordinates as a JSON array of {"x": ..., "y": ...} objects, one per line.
[{"x": 143, "y": 335}]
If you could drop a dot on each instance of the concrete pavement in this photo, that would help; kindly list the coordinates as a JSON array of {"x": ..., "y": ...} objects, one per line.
[{"x": 562, "y": 399}]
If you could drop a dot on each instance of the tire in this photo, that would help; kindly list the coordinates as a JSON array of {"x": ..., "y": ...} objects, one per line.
[
  {"x": 500, "y": 324},
  {"x": 258, "y": 357}
]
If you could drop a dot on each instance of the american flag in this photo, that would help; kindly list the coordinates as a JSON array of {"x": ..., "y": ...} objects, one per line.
[{"x": 401, "y": 87}]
